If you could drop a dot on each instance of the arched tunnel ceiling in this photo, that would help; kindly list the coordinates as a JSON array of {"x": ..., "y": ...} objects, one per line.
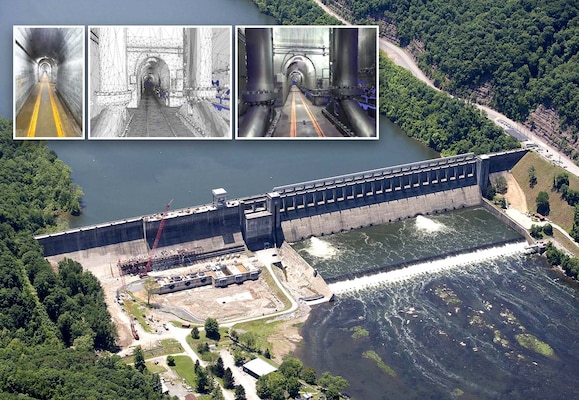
[
  {"x": 44, "y": 42},
  {"x": 304, "y": 36}
]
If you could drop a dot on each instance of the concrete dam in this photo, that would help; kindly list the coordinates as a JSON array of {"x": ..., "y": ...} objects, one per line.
[{"x": 286, "y": 214}]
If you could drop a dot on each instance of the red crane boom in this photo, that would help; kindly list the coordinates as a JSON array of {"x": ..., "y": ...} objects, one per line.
[{"x": 156, "y": 242}]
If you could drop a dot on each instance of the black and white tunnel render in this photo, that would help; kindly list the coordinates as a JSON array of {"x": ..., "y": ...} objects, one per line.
[
  {"x": 307, "y": 82},
  {"x": 48, "y": 73},
  {"x": 159, "y": 82}
]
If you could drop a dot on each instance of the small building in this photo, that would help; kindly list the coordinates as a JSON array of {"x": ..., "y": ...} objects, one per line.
[{"x": 258, "y": 367}]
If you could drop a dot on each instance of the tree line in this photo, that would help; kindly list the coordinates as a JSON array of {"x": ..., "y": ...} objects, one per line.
[
  {"x": 446, "y": 124},
  {"x": 53, "y": 322},
  {"x": 295, "y": 12}
]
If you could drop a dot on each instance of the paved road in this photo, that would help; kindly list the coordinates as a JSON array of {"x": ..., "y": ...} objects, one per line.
[{"x": 402, "y": 58}]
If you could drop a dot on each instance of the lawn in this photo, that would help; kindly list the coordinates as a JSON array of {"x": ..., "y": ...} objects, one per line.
[
  {"x": 561, "y": 212},
  {"x": 185, "y": 367}
]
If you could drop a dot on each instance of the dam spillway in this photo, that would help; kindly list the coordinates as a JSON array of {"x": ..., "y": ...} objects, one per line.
[{"x": 291, "y": 212}]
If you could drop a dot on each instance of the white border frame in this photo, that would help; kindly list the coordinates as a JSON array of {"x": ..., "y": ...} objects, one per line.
[
  {"x": 83, "y": 125},
  {"x": 232, "y": 83},
  {"x": 377, "y": 82}
]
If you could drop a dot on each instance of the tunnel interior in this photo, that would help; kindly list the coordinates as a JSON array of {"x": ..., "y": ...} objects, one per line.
[
  {"x": 54, "y": 53},
  {"x": 155, "y": 77},
  {"x": 331, "y": 67},
  {"x": 159, "y": 81}
]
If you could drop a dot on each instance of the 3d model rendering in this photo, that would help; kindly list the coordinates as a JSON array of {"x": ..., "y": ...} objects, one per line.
[{"x": 159, "y": 82}]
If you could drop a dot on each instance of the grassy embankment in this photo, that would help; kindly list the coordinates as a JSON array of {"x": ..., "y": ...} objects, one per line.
[{"x": 561, "y": 213}]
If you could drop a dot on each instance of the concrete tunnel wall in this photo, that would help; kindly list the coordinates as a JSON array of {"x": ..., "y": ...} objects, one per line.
[
  {"x": 25, "y": 72},
  {"x": 70, "y": 75}
]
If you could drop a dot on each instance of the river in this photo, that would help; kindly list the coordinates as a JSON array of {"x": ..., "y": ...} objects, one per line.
[{"x": 444, "y": 329}]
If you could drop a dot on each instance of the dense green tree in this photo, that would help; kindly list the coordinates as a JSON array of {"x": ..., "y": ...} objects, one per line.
[
  {"x": 151, "y": 287},
  {"x": 536, "y": 231},
  {"x": 228, "y": 381},
  {"x": 332, "y": 383},
  {"x": 139, "y": 359},
  {"x": 195, "y": 333},
  {"x": 218, "y": 369},
  {"x": 490, "y": 192},
  {"x": 532, "y": 176},
  {"x": 51, "y": 322},
  {"x": 447, "y": 125},
  {"x": 291, "y": 367},
  {"x": 202, "y": 382},
  {"x": 309, "y": 375},
  {"x": 216, "y": 394},
  {"x": 240, "y": 393},
  {"x": 560, "y": 179},
  {"x": 212, "y": 329},
  {"x": 542, "y": 201},
  {"x": 501, "y": 184},
  {"x": 170, "y": 361}
]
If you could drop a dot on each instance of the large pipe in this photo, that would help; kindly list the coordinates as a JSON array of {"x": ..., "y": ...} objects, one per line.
[
  {"x": 260, "y": 91},
  {"x": 345, "y": 83},
  {"x": 346, "y": 57},
  {"x": 256, "y": 121},
  {"x": 259, "y": 59},
  {"x": 358, "y": 118}
]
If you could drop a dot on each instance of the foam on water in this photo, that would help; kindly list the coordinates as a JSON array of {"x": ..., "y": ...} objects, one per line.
[
  {"x": 428, "y": 225},
  {"x": 427, "y": 268},
  {"x": 321, "y": 249}
]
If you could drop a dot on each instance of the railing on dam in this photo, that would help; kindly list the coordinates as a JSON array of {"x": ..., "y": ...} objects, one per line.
[
  {"x": 376, "y": 173},
  {"x": 381, "y": 185}
]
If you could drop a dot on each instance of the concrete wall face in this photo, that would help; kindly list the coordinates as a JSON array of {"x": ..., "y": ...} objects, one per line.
[
  {"x": 70, "y": 76},
  {"x": 381, "y": 213},
  {"x": 299, "y": 211},
  {"x": 25, "y": 72}
]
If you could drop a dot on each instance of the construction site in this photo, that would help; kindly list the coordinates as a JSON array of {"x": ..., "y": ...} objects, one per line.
[{"x": 180, "y": 267}]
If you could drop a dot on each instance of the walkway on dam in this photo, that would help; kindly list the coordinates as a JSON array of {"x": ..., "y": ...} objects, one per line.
[
  {"x": 43, "y": 114},
  {"x": 152, "y": 119},
  {"x": 300, "y": 118}
]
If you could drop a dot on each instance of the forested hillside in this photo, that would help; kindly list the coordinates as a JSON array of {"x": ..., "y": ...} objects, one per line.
[
  {"x": 446, "y": 124},
  {"x": 521, "y": 57},
  {"x": 52, "y": 323},
  {"x": 295, "y": 12}
]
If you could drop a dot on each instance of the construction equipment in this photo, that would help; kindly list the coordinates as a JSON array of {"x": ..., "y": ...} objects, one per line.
[{"x": 156, "y": 243}]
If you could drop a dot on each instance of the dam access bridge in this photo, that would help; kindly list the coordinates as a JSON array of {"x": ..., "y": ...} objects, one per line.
[{"x": 287, "y": 213}]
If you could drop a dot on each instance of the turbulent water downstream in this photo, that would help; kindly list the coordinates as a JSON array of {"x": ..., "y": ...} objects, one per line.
[{"x": 482, "y": 324}]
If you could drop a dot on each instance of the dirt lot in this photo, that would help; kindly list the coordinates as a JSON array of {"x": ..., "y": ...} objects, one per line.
[{"x": 247, "y": 300}]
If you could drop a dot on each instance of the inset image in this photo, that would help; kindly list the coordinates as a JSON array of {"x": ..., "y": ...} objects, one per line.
[
  {"x": 159, "y": 82},
  {"x": 307, "y": 82},
  {"x": 48, "y": 71}
]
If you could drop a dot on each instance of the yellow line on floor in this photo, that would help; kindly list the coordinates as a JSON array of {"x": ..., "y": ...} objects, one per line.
[
  {"x": 312, "y": 117},
  {"x": 55, "y": 114},
  {"x": 293, "y": 117},
  {"x": 34, "y": 119}
]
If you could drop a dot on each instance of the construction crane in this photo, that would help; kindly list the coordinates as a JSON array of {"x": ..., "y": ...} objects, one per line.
[{"x": 156, "y": 243}]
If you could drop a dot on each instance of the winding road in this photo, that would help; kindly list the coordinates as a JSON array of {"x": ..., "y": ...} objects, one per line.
[{"x": 403, "y": 59}]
